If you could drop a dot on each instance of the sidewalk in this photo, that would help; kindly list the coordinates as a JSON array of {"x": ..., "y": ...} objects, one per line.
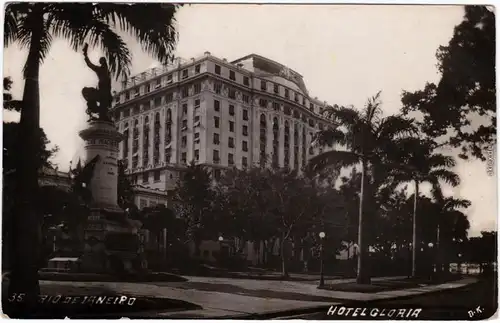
[{"x": 220, "y": 304}]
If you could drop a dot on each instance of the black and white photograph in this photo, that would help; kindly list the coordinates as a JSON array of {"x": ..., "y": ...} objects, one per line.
[{"x": 249, "y": 161}]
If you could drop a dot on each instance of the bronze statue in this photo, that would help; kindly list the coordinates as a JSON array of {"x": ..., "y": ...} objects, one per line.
[{"x": 98, "y": 99}]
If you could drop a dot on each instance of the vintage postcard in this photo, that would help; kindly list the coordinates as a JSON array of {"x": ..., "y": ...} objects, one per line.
[{"x": 249, "y": 161}]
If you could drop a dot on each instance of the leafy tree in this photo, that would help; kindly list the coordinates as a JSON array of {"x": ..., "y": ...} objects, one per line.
[
  {"x": 193, "y": 202},
  {"x": 364, "y": 138},
  {"x": 11, "y": 153},
  {"x": 158, "y": 218},
  {"x": 8, "y": 101},
  {"x": 466, "y": 90},
  {"x": 34, "y": 25}
]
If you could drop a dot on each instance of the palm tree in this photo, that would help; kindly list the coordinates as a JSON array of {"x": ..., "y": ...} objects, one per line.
[
  {"x": 423, "y": 165},
  {"x": 33, "y": 26},
  {"x": 366, "y": 138}
]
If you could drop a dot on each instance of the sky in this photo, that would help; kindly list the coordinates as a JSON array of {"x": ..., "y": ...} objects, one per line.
[{"x": 345, "y": 54}]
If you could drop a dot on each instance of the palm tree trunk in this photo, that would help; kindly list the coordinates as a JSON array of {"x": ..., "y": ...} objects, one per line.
[
  {"x": 414, "y": 234},
  {"x": 26, "y": 222},
  {"x": 439, "y": 267},
  {"x": 363, "y": 276}
]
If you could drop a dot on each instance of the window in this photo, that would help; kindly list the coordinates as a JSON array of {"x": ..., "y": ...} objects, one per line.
[
  {"x": 216, "y": 122},
  {"x": 263, "y": 85},
  {"x": 184, "y": 158},
  {"x": 232, "y": 75},
  {"x": 217, "y": 69},
  {"x": 311, "y": 106},
  {"x": 184, "y": 141},
  {"x": 184, "y": 108},
  {"x": 231, "y": 126},
  {"x": 197, "y": 88},
  {"x": 216, "y": 105},
  {"x": 276, "y": 106},
  {"x": 246, "y": 80},
  {"x": 218, "y": 87},
  {"x": 196, "y": 135},
  {"x": 184, "y": 74},
  {"x": 216, "y": 174},
  {"x": 169, "y": 97},
  {"x": 169, "y": 79},
  {"x": 158, "y": 101},
  {"x": 185, "y": 92},
  {"x": 244, "y": 161},
  {"x": 232, "y": 94},
  {"x": 196, "y": 118},
  {"x": 156, "y": 176},
  {"x": 296, "y": 97},
  {"x": 184, "y": 124},
  {"x": 230, "y": 142},
  {"x": 263, "y": 103},
  {"x": 216, "y": 139},
  {"x": 197, "y": 155},
  {"x": 287, "y": 110},
  {"x": 245, "y": 98},
  {"x": 148, "y": 87},
  {"x": 245, "y": 130},
  {"x": 245, "y": 114},
  {"x": 230, "y": 159},
  {"x": 244, "y": 146},
  {"x": 276, "y": 88},
  {"x": 126, "y": 113},
  {"x": 197, "y": 69},
  {"x": 287, "y": 94},
  {"x": 216, "y": 156},
  {"x": 231, "y": 110},
  {"x": 197, "y": 103},
  {"x": 145, "y": 177}
]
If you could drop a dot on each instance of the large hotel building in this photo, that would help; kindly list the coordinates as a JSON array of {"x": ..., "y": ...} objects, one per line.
[{"x": 216, "y": 113}]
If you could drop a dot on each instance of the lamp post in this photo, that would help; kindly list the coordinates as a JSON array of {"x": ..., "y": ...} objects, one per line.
[
  {"x": 321, "y": 277},
  {"x": 431, "y": 245}
]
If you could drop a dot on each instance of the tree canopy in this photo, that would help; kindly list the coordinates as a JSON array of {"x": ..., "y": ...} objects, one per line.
[{"x": 461, "y": 107}]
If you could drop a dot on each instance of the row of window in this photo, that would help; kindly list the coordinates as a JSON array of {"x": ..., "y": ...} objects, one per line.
[
  {"x": 155, "y": 84},
  {"x": 230, "y": 159}
]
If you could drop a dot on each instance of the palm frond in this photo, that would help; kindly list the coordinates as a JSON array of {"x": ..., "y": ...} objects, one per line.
[
  {"x": 446, "y": 176},
  {"x": 151, "y": 23},
  {"x": 452, "y": 203},
  {"x": 329, "y": 137},
  {"x": 78, "y": 24},
  {"x": 346, "y": 116},
  {"x": 372, "y": 109},
  {"x": 396, "y": 126},
  {"x": 332, "y": 158},
  {"x": 439, "y": 160}
]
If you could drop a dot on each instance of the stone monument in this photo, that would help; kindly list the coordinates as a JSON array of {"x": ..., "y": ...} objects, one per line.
[{"x": 111, "y": 239}]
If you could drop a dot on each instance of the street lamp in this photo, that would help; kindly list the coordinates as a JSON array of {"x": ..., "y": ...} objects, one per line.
[{"x": 321, "y": 278}]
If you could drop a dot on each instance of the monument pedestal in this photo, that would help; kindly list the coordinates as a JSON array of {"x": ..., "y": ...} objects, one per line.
[{"x": 110, "y": 238}]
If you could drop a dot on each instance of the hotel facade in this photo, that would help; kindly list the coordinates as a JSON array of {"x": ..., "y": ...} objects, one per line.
[{"x": 252, "y": 111}]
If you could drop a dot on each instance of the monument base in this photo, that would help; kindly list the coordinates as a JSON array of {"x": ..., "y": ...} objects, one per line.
[{"x": 111, "y": 243}]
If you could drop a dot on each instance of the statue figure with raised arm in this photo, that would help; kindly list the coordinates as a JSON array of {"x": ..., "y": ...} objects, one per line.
[{"x": 98, "y": 99}]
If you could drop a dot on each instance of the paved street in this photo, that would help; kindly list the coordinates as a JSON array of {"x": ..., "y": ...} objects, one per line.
[{"x": 224, "y": 297}]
